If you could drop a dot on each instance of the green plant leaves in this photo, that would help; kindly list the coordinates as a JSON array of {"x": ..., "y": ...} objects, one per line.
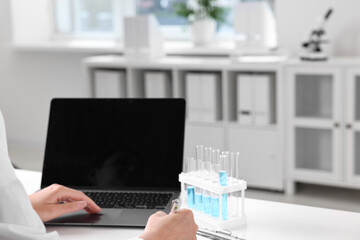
[
  {"x": 182, "y": 10},
  {"x": 206, "y": 9}
]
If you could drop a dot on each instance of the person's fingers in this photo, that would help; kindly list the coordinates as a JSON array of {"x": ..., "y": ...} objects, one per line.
[
  {"x": 186, "y": 213},
  {"x": 87, "y": 209},
  {"x": 57, "y": 210},
  {"x": 160, "y": 214},
  {"x": 64, "y": 194}
]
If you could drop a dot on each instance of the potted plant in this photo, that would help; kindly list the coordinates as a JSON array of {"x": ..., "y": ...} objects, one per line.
[{"x": 203, "y": 15}]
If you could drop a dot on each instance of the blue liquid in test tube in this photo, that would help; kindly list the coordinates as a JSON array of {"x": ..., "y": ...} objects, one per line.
[
  {"x": 223, "y": 178},
  {"x": 223, "y": 182},
  {"x": 224, "y": 211},
  {"x": 207, "y": 204},
  {"x": 191, "y": 196},
  {"x": 215, "y": 206},
  {"x": 198, "y": 202}
]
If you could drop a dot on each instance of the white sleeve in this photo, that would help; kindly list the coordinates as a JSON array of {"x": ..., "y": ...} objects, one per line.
[{"x": 18, "y": 220}]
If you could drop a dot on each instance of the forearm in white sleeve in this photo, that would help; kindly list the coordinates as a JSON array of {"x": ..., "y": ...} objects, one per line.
[{"x": 18, "y": 220}]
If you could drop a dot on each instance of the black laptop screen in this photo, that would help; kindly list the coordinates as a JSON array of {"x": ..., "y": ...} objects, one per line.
[{"x": 115, "y": 143}]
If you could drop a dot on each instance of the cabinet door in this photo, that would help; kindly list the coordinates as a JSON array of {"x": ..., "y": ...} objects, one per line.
[
  {"x": 260, "y": 163},
  {"x": 352, "y": 126},
  {"x": 314, "y": 123}
]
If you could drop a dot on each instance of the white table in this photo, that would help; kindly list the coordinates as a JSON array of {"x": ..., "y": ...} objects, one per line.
[{"x": 266, "y": 220}]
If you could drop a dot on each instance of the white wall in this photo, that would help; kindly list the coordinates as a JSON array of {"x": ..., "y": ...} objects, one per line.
[
  {"x": 295, "y": 18},
  {"x": 31, "y": 20},
  {"x": 28, "y": 80}
]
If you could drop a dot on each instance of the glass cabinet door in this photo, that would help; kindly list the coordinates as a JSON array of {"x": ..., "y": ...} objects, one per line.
[
  {"x": 352, "y": 126},
  {"x": 313, "y": 149},
  {"x": 356, "y": 169},
  {"x": 315, "y": 122},
  {"x": 314, "y": 96}
]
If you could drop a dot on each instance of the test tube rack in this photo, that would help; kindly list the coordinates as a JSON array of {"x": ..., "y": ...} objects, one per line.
[{"x": 234, "y": 185}]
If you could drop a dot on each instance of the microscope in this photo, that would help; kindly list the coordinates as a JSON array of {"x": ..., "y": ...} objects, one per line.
[{"x": 313, "y": 47}]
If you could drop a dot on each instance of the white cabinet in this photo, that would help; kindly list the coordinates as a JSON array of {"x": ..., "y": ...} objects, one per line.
[
  {"x": 352, "y": 126},
  {"x": 314, "y": 120},
  {"x": 323, "y": 125}
]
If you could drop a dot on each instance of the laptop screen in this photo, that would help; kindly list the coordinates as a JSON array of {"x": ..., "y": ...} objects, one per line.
[{"x": 115, "y": 143}]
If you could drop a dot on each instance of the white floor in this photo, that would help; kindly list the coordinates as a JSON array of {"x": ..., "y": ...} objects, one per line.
[{"x": 311, "y": 195}]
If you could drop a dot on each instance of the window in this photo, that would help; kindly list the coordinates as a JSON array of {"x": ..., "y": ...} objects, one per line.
[
  {"x": 103, "y": 18},
  {"x": 163, "y": 10},
  {"x": 84, "y": 17}
]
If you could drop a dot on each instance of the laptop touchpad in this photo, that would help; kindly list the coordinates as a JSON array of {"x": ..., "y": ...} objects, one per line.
[
  {"x": 134, "y": 217},
  {"x": 81, "y": 217}
]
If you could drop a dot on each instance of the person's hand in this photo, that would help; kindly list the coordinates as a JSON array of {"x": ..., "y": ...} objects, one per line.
[
  {"x": 178, "y": 225},
  {"x": 46, "y": 202}
]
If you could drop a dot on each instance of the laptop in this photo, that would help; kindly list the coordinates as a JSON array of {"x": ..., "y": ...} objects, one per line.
[{"x": 125, "y": 154}]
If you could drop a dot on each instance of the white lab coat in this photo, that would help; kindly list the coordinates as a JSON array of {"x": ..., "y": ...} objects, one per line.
[{"x": 18, "y": 220}]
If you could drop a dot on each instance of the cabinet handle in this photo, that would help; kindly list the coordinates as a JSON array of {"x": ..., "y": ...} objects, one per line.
[
  {"x": 336, "y": 124},
  {"x": 348, "y": 126}
]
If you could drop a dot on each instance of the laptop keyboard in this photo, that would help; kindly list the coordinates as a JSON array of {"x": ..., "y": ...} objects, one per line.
[{"x": 130, "y": 200}]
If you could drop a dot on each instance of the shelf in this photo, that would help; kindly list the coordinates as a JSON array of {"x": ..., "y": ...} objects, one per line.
[
  {"x": 182, "y": 63},
  {"x": 221, "y": 129},
  {"x": 251, "y": 97},
  {"x": 270, "y": 127},
  {"x": 206, "y": 124}
]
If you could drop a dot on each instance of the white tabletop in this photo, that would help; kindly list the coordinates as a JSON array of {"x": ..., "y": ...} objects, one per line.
[{"x": 265, "y": 220}]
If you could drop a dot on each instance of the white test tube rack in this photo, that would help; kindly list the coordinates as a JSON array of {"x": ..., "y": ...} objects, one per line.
[{"x": 234, "y": 185}]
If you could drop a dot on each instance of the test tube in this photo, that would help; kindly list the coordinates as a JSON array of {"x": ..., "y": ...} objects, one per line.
[
  {"x": 207, "y": 162},
  {"x": 198, "y": 172},
  {"x": 200, "y": 159},
  {"x": 238, "y": 177},
  {"x": 200, "y": 152},
  {"x": 216, "y": 155},
  {"x": 224, "y": 209},
  {"x": 190, "y": 189},
  {"x": 223, "y": 179},
  {"x": 233, "y": 203},
  {"x": 223, "y": 170},
  {"x": 237, "y": 161},
  {"x": 198, "y": 199},
  {"x": 215, "y": 170},
  {"x": 208, "y": 154},
  {"x": 207, "y": 169},
  {"x": 214, "y": 205},
  {"x": 207, "y": 202},
  {"x": 233, "y": 170}
]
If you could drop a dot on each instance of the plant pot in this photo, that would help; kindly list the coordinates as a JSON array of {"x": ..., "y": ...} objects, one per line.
[{"x": 202, "y": 31}]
